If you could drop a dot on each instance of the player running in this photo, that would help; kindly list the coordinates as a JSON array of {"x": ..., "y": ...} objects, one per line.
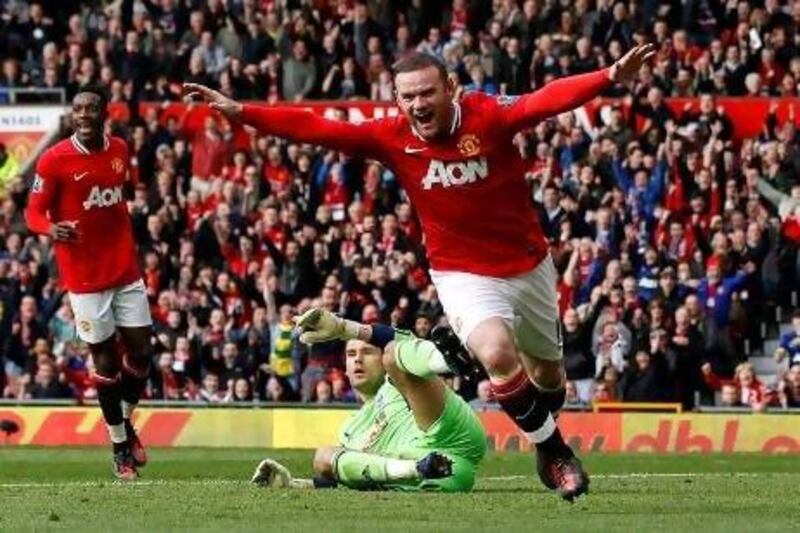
[
  {"x": 412, "y": 433},
  {"x": 78, "y": 199},
  {"x": 489, "y": 258}
]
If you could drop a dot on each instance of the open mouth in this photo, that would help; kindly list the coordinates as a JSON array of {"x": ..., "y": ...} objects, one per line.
[
  {"x": 424, "y": 118},
  {"x": 85, "y": 128}
]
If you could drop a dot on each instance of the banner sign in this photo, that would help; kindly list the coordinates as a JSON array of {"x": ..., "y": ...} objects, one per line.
[
  {"x": 23, "y": 127},
  {"x": 310, "y": 428},
  {"x": 747, "y": 114}
]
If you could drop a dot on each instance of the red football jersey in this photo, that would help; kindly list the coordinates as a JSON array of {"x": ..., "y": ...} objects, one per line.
[
  {"x": 73, "y": 183},
  {"x": 469, "y": 187}
]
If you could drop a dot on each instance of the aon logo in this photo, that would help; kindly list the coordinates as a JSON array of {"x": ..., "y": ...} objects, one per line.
[
  {"x": 103, "y": 197},
  {"x": 457, "y": 173}
]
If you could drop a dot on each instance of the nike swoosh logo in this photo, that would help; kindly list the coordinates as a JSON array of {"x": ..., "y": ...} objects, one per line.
[
  {"x": 412, "y": 150},
  {"x": 523, "y": 417},
  {"x": 79, "y": 177}
]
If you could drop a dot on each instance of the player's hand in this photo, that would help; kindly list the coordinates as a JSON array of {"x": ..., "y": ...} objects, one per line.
[
  {"x": 625, "y": 69},
  {"x": 66, "y": 231},
  {"x": 319, "y": 325},
  {"x": 215, "y": 99},
  {"x": 270, "y": 473}
]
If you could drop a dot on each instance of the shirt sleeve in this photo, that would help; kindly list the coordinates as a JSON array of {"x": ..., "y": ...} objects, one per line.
[
  {"x": 42, "y": 196},
  {"x": 559, "y": 96},
  {"x": 307, "y": 127}
]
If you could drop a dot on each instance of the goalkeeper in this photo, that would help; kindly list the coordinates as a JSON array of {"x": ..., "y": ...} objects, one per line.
[{"x": 413, "y": 433}]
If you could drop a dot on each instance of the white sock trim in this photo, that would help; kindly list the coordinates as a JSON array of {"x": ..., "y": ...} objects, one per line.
[
  {"x": 117, "y": 433},
  {"x": 127, "y": 409},
  {"x": 399, "y": 469},
  {"x": 437, "y": 363},
  {"x": 544, "y": 432}
]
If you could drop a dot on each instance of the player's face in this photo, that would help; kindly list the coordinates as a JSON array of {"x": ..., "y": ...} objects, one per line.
[
  {"x": 88, "y": 116},
  {"x": 426, "y": 100},
  {"x": 364, "y": 366}
]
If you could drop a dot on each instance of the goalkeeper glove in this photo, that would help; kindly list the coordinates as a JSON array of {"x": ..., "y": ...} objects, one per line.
[{"x": 318, "y": 325}]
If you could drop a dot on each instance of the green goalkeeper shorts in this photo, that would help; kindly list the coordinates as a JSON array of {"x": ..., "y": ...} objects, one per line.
[{"x": 457, "y": 434}]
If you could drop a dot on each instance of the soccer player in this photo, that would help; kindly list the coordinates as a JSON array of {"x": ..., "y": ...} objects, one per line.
[
  {"x": 78, "y": 199},
  {"x": 489, "y": 258},
  {"x": 412, "y": 433}
]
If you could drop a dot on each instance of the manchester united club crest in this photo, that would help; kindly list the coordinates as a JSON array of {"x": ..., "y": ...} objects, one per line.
[
  {"x": 469, "y": 145},
  {"x": 458, "y": 323},
  {"x": 117, "y": 165}
]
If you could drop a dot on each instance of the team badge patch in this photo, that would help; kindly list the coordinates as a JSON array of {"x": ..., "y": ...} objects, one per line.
[
  {"x": 38, "y": 184},
  {"x": 506, "y": 100},
  {"x": 117, "y": 165},
  {"x": 458, "y": 323},
  {"x": 469, "y": 145},
  {"x": 85, "y": 326}
]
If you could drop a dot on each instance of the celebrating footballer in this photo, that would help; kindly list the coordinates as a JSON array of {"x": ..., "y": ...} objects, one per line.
[
  {"x": 489, "y": 258},
  {"x": 78, "y": 198}
]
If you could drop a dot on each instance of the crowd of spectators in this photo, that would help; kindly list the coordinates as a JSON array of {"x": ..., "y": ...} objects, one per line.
[{"x": 673, "y": 242}]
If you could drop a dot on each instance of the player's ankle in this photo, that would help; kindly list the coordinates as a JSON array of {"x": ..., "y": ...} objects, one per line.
[{"x": 554, "y": 444}]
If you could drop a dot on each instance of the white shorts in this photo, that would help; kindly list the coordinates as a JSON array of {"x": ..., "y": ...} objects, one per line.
[
  {"x": 98, "y": 314},
  {"x": 528, "y": 303}
]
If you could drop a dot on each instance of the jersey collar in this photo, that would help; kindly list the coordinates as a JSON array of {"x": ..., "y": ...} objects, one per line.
[
  {"x": 455, "y": 123},
  {"x": 82, "y": 149}
]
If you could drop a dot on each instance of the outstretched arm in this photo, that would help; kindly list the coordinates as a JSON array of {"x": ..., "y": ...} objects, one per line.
[
  {"x": 568, "y": 93},
  {"x": 292, "y": 123},
  {"x": 334, "y": 465},
  {"x": 411, "y": 355},
  {"x": 557, "y": 97}
]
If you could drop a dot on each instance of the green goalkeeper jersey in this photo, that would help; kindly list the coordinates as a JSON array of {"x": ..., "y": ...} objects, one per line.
[{"x": 385, "y": 425}]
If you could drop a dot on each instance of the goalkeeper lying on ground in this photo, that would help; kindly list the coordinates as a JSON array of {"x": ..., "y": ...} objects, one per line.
[{"x": 412, "y": 433}]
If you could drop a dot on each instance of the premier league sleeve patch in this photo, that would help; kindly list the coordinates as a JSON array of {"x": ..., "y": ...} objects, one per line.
[
  {"x": 38, "y": 184},
  {"x": 507, "y": 100}
]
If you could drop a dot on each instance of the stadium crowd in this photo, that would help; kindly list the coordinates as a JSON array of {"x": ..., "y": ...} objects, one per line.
[{"x": 673, "y": 242}]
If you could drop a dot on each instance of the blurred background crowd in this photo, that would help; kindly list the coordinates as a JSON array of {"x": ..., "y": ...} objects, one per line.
[{"x": 675, "y": 244}]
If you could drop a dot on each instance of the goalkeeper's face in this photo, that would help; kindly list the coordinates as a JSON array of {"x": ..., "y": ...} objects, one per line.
[{"x": 364, "y": 366}]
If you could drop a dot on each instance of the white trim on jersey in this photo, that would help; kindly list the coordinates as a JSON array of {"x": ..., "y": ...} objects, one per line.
[
  {"x": 454, "y": 124},
  {"x": 82, "y": 149}
]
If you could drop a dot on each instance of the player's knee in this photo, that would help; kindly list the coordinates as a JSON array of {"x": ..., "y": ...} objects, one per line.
[
  {"x": 499, "y": 358},
  {"x": 105, "y": 360},
  {"x": 137, "y": 343},
  {"x": 323, "y": 461},
  {"x": 141, "y": 354}
]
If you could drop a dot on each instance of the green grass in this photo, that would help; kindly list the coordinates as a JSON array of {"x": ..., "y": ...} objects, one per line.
[{"x": 207, "y": 490}]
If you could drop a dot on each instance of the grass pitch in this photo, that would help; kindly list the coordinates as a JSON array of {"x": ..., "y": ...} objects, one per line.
[{"x": 207, "y": 490}]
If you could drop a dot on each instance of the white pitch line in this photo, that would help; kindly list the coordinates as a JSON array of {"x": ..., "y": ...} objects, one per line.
[
  {"x": 211, "y": 482},
  {"x": 140, "y": 483},
  {"x": 634, "y": 475}
]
